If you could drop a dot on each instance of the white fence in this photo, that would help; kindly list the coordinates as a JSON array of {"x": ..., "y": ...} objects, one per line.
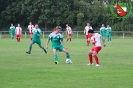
[{"x": 76, "y": 34}]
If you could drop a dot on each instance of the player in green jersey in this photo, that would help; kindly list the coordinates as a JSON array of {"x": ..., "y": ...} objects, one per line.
[
  {"x": 103, "y": 31},
  {"x": 12, "y": 31},
  {"x": 108, "y": 30},
  {"x": 36, "y": 39},
  {"x": 56, "y": 39}
]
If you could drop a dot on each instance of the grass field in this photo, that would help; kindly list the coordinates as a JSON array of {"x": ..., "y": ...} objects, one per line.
[{"x": 37, "y": 70}]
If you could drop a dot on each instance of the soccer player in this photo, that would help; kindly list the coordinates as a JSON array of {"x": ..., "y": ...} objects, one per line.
[
  {"x": 30, "y": 27},
  {"x": 108, "y": 30},
  {"x": 36, "y": 39},
  {"x": 12, "y": 31},
  {"x": 95, "y": 38},
  {"x": 68, "y": 32},
  {"x": 87, "y": 28},
  {"x": 103, "y": 31},
  {"x": 18, "y": 32},
  {"x": 56, "y": 39}
]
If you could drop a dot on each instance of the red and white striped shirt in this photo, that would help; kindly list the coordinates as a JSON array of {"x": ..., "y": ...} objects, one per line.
[
  {"x": 69, "y": 30},
  {"x": 30, "y": 27},
  {"x": 96, "y": 38},
  {"x": 18, "y": 30},
  {"x": 87, "y": 28}
]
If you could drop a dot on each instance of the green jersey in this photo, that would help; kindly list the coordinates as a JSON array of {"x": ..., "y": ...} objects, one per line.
[
  {"x": 108, "y": 29},
  {"x": 36, "y": 33},
  {"x": 55, "y": 39},
  {"x": 103, "y": 31},
  {"x": 12, "y": 30}
]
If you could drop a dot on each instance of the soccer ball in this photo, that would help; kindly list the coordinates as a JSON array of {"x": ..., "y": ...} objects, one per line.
[{"x": 68, "y": 61}]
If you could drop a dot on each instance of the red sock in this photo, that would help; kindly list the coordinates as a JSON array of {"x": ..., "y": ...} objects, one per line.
[
  {"x": 18, "y": 39},
  {"x": 96, "y": 59},
  {"x": 70, "y": 39},
  {"x": 88, "y": 42},
  {"x": 90, "y": 58}
]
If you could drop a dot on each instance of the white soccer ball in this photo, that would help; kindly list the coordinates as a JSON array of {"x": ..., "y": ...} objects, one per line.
[{"x": 68, "y": 61}]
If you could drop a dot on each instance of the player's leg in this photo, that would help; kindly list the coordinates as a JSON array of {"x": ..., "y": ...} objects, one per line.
[
  {"x": 55, "y": 56},
  {"x": 103, "y": 37},
  {"x": 70, "y": 37},
  {"x": 94, "y": 54},
  {"x": 90, "y": 57},
  {"x": 110, "y": 36},
  {"x": 40, "y": 45},
  {"x": 43, "y": 48},
  {"x": 88, "y": 40},
  {"x": 30, "y": 47},
  {"x": 13, "y": 36},
  {"x": 17, "y": 37},
  {"x": 67, "y": 37},
  {"x": 96, "y": 57},
  {"x": 65, "y": 51}
]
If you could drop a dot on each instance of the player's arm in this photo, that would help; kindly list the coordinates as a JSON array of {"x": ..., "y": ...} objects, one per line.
[
  {"x": 47, "y": 42},
  {"x": 63, "y": 43},
  {"x": 103, "y": 41},
  {"x": 66, "y": 31},
  {"x": 84, "y": 31},
  {"x": 71, "y": 30},
  {"x": 110, "y": 29},
  {"x": 16, "y": 30},
  {"x": 91, "y": 28},
  {"x": 100, "y": 31},
  {"x": 21, "y": 31},
  {"x": 39, "y": 34}
]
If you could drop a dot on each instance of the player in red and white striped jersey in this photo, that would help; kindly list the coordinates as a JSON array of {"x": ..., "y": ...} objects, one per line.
[
  {"x": 18, "y": 32},
  {"x": 69, "y": 32},
  {"x": 95, "y": 38},
  {"x": 87, "y": 28},
  {"x": 30, "y": 27}
]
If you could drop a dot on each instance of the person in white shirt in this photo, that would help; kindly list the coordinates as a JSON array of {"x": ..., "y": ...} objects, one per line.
[
  {"x": 30, "y": 27},
  {"x": 18, "y": 32},
  {"x": 95, "y": 39},
  {"x": 68, "y": 32},
  {"x": 87, "y": 28}
]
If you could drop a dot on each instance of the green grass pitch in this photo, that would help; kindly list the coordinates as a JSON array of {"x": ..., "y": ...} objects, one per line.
[{"x": 37, "y": 70}]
